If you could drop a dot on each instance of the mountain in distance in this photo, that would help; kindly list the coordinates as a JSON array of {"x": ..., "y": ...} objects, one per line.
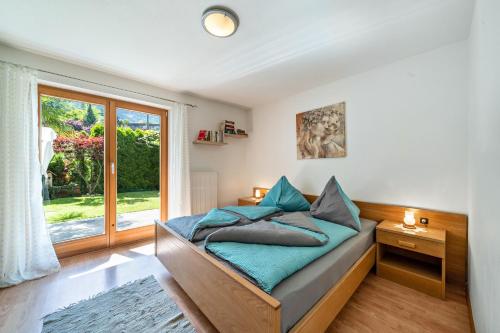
[{"x": 134, "y": 117}]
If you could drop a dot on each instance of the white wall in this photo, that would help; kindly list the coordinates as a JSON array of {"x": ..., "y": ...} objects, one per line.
[
  {"x": 406, "y": 129},
  {"x": 227, "y": 160},
  {"x": 484, "y": 167}
]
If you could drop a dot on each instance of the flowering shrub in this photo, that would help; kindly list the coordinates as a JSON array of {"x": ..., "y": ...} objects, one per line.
[{"x": 83, "y": 156}]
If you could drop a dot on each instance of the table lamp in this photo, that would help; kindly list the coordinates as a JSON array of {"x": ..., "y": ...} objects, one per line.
[{"x": 409, "y": 220}]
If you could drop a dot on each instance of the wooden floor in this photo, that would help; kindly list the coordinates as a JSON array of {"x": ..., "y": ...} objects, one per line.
[{"x": 378, "y": 305}]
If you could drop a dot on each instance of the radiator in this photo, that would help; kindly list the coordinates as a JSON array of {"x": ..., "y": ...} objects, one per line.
[{"x": 203, "y": 191}]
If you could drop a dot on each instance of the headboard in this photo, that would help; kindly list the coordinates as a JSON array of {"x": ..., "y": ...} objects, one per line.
[{"x": 455, "y": 225}]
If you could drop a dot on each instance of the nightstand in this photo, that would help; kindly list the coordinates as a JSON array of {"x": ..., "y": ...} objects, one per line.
[
  {"x": 249, "y": 201},
  {"x": 415, "y": 258}
]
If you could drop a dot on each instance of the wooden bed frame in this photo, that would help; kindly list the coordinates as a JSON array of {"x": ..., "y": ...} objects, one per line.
[{"x": 233, "y": 304}]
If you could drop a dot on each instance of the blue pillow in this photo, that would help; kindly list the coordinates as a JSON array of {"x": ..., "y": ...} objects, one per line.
[{"x": 283, "y": 195}]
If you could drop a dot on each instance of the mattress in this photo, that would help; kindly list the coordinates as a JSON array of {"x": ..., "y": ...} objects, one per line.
[{"x": 299, "y": 292}]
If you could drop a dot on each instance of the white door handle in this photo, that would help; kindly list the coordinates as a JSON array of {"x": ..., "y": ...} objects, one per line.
[{"x": 112, "y": 168}]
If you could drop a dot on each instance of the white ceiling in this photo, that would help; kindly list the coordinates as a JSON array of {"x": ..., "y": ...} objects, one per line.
[{"x": 281, "y": 47}]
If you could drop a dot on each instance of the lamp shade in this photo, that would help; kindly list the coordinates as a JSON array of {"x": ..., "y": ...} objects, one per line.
[
  {"x": 220, "y": 21},
  {"x": 409, "y": 220}
]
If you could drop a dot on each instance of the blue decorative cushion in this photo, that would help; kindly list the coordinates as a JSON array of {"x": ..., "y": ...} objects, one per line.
[
  {"x": 283, "y": 195},
  {"x": 335, "y": 206}
]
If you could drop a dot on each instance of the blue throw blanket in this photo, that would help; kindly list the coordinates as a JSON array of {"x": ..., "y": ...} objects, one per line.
[
  {"x": 214, "y": 218},
  {"x": 268, "y": 265}
]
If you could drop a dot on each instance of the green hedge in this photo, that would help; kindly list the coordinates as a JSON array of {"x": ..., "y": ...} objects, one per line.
[
  {"x": 137, "y": 165},
  {"x": 138, "y": 159}
]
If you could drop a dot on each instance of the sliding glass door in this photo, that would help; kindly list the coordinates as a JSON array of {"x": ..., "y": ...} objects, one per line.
[
  {"x": 104, "y": 169},
  {"x": 139, "y": 171}
]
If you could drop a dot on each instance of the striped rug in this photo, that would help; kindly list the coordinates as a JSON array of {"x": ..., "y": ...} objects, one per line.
[{"x": 141, "y": 306}]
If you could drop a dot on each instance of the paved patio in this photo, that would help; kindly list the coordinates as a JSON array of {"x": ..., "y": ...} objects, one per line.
[{"x": 69, "y": 230}]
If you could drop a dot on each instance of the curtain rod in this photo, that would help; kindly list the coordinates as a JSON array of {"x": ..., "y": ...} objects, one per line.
[{"x": 99, "y": 84}]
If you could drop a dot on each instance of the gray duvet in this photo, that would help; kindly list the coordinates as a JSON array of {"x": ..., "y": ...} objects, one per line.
[
  {"x": 273, "y": 232},
  {"x": 185, "y": 224}
]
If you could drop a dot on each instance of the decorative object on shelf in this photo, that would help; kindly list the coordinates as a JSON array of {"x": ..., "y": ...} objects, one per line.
[
  {"x": 409, "y": 220},
  {"x": 257, "y": 193},
  {"x": 321, "y": 132}
]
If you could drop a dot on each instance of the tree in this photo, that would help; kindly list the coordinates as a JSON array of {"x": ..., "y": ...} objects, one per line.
[
  {"x": 54, "y": 113},
  {"x": 90, "y": 118}
]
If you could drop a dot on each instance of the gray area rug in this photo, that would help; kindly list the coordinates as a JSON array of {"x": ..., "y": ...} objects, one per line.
[{"x": 141, "y": 306}]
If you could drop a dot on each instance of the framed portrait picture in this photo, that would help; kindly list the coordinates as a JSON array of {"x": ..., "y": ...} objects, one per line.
[{"x": 321, "y": 132}]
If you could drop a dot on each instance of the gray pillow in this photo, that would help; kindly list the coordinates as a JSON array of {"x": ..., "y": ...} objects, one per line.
[{"x": 333, "y": 205}]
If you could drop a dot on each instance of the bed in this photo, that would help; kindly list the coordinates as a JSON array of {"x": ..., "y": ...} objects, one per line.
[
  {"x": 234, "y": 304},
  {"x": 299, "y": 292}
]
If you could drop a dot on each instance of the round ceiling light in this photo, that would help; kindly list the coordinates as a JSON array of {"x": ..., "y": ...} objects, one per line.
[{"x": 220, "y": 21}]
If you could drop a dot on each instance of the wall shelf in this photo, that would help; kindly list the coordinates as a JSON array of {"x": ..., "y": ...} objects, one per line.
[
  {"x": 237, "y": 136},
  {"x": 199, "y": 142}
]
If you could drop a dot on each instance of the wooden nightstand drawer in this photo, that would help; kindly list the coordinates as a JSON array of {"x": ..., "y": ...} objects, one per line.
[{"x": 415, "y": 244}]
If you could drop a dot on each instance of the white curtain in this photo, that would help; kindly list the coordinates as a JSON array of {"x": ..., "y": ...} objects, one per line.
[
  {"x": 179, "y": 185},
  {"x": 47, "y": 137},
  {"x": 26, "y": 251}
]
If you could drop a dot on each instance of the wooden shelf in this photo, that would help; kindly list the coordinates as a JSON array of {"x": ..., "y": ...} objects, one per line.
[
  {"x": 415, "y": 267},
  {"x": 237, "y": 136},
  {"x": 199, "y": 142}
]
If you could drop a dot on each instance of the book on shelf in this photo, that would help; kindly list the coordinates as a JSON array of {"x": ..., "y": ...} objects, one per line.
[
  {"x": 228, "y": 127},
  {"x": 202, "y": 134},
  {"x": 216, "y": 136}
]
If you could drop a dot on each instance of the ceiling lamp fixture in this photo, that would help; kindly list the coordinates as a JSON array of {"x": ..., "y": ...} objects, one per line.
[{"x": 220, "y": 21}]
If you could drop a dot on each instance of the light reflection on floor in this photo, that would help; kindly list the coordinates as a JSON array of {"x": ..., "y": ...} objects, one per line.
[{"x": 115, "y": 259}]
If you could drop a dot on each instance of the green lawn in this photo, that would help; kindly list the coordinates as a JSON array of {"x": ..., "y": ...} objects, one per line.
[{"x": 74, "y": 208}]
